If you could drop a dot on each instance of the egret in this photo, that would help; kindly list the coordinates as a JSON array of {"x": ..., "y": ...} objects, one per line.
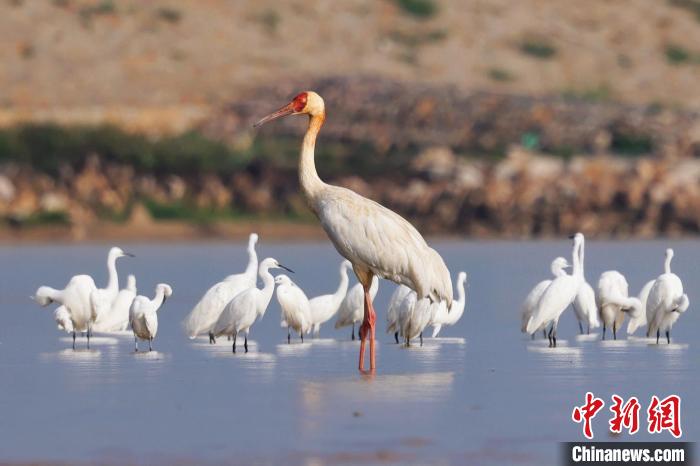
[
  {"x": 558, "y": 296},
  {"x": 324, "y": 307},
  {"x": 207, "y": 311},
  {"x": 351, "y": 309},
  {"x": 533, "y": 297},
  {"x": 75, "y": 297},
  {"x": 143, "y": 315},
  {"x": 240, "y": 314},
  {"x": 614, "y": 300},
  {"x": 638, "y": 318},
  {"x": 296, "y": 311},
  {"x": 442, "y": 317},
  {"x": 584, "y": 304},
  {"x": 118, "y": 317},
  {"x": 101, "y": 299},
  {"x": 392, "y": 313},
  {"x": 376, "y": 240},
  {"x": 666, "y": 302},
  {"x": 62, "y": 318},
  {"x": 416, "y": 314}
]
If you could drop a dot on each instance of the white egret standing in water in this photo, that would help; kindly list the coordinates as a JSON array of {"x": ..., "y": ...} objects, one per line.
[
  {"x": 533, "y": 297},
  {"x": 117, "y": 319},
  {"x": 638, "y": 317},
  {"x": 442, "y": 316},
  {"x": 101, "y": 299},
  {"x": 666, "y": 302},
  {"x": 143, "y": 315},
  {"x": 324, "y": 307},
  {"x": 614, "y": 300},
  {"x": 351, "y": 310},
  {"x": 393, "y": 311},
  {"x": 584, "y": 304},
  {"x": 296, "y": 311}
]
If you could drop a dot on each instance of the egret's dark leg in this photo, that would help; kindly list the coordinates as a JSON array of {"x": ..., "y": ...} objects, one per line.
[
  {"x": 136, "y": 344},
  {"x": 234, "y": 342},
  {"x": 212, "y": 338},
  {"x": 614, "y": 330},
  {"x": 88, "y": 338},
  {"x": 658, "y": 334},
  {"x": 228, "y": 337},
  {"x": 550, "y": 335},
  {"x": 352, "y": 335},
  {"x": 580, "y": 327},
  {"x": 421, "y": 338},
  {"x": 73, "y": 339},
  {"x": 554, "y": 335},
  {"x": 603, "y": 330},
  {"x": 544, "y": 333},
  {"x": 668, "y": 337},
  {"x": 408, "y": 342},
  {"x": 301, "y": 334},
  {"x": 245, "y": 343},
  {"x": 150, "y": 344},
  {"x": 396, "y": 337},
  {"x": 532, "y": 336},
  {"x": 289, "y": 337},
  {"x": 588, "y": 329}
]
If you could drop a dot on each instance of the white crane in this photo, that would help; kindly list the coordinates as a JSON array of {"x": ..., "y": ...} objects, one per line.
[
  {"x": 101, "y": 299},
  {"x": 75, "y": 297},
  {"x": 296, "y": 311},
  {"x": 442, "y": 317},
  {"x": 352, "y": 308},
  {"x": 558, "y": 296},
  {"x": 614, "y": 300},
  {"x": 143, "y": 315},
  {"x": 240, "y": 314},
  {"x": 117, "y": 319},
  {"x": 666, "y": 302},
  {"x": 584, "y": 304},
  {"x": 392, "y": 313},
  {"x": 377, "y": 241},
  {"x": 324, "y": 307},
  {"x": 207, "y": 311},
  {"x": 533, "y": 297},
  {"x": 638, "y": 317}
]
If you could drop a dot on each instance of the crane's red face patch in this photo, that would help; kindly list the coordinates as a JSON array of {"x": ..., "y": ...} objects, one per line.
[{"x": 299, "y": 102}]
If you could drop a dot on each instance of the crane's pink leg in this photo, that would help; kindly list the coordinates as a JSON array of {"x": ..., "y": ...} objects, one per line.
[{"x": 367, "y": 329}]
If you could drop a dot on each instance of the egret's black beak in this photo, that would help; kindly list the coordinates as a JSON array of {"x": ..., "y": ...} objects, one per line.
[
  {"x": 129, "y": 254},
  {"x": 572, "y": 236},
  {"x": 285, "y": 268}
]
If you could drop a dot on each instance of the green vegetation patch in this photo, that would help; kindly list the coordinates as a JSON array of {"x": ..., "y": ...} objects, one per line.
[
  {"x": 538, "y": 48},
  {"x": 678, "y": 55},
  {"x": 421, "y": 9}
]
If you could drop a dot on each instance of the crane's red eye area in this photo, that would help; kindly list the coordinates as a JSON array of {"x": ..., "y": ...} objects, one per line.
[{"x": 299, "y": 102}]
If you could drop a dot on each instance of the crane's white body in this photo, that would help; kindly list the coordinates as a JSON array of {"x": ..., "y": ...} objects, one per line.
[
  {"x": 533, "y": 297},
  {"x": 324, "y": 307},
  {"x": 392, "y": 313},
  {"x": 442, "y": 317},
  {"x": 143, "y": 314},
  {"x": 638, "y": 317},
  {"x": 296, "y": 311},
  {"x": 666, "y": 301},
  {"x": 102, "y": 299},
  {"x": 62, "y": 318},
  {"x": 207, "y": 311},
  {"x": 117, "y": 319},
  {"x": 614, "y": 300},
  {"x": 75, "y": 297},
  {"x": 558, "y": 296},
  {"x": 352, "y": 308},
  {"x": 248, "y": 305}
]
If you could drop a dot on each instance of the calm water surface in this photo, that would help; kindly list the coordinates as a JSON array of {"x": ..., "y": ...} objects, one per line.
[{"x": 480, "y": 394}]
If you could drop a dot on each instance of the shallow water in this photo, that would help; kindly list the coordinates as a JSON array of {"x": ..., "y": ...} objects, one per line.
[{"x": 481, "y": 394}]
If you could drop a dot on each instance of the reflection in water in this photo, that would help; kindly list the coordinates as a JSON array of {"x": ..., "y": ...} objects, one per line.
[
  {"x": 293, "y": 349},
  {"x": 437, "y": 349},
  {"x": 588, "y": 337},
  {"x": 70, "y": 355},
  {"x": 96, "y": 341},
  {"x": 262, "y": 364},
  {"x": 559, "y": 357}
]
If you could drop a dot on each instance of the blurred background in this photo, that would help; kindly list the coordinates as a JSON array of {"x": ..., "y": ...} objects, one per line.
[{"x": 481, "y": 118}]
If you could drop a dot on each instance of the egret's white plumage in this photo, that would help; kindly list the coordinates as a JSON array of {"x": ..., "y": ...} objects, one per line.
[
  {"x": 666, "y": 301},
  {"x": 75, "y": 297},
  {"x": 62, "y": 318},
  {"x": 558, "y": 296},
  {"x": 101, "y": 299},
  {"x": 392, "y": 313},
  {"x": 614, "y": 300},
  {"x": 296, "y": 311},
  {"x": 533, "y": 297},
  {"x": 324, "y": 307},
  {"x": 117, "y": 319},
  {"x": 143, "y": 315},
  {"x": 377, "y": 241},
  {"x": 240, "y": 314},
  {"x": 585, "y": 307},
  {"x": 207, "y": 311},
  {"x": 415, "y": 314},
  {"x": 638, "y": 317},
  {"x": 352, "y": 308},
  {"x": 442, "y": 316}
]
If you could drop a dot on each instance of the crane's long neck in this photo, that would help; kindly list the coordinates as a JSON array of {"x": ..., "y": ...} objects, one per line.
[
  {"x": 343, "y": 286},
  {"x": 252, "y": 269},
  {"x": 267, "y": 290},
  {"x": 113, "y": 281},
  {"x": 309, "y": 180}
]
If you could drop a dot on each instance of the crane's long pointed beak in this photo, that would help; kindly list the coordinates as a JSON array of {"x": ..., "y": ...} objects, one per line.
[
  {"x": 286, "y": 268},
  {"x": 284, "y": 111}
]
